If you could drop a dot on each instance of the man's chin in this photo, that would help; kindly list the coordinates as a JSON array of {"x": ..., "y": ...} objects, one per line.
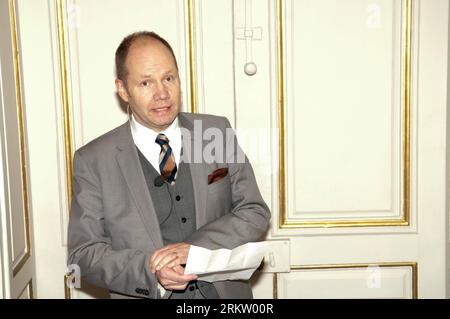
[{"x": 165, "y": 122}]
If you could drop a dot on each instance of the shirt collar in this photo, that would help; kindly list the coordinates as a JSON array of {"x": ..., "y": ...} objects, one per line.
[{"x": 142, "y": 132}]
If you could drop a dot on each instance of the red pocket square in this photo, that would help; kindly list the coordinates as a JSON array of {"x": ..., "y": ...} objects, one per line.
[{"x": 217, "y": 175}]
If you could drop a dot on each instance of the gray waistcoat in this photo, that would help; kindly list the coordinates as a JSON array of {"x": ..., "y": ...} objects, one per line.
[
  {"x": 175, "y": 209},
  {"x": 174, "y": 205}
]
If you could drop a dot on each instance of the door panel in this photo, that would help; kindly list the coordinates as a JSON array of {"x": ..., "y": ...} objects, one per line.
[
  {"x": 343, "y": 109},
  {"x": 355, "y": 197},
  {"x": 360, "y": 281},
  {"x": 15, "y": 215}
]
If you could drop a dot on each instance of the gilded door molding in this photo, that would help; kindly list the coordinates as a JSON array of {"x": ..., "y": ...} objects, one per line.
[
  {"x": 21, "y": 130},
  {"x": 284, "y": 222},
  {"x": 412, "y": 265}
]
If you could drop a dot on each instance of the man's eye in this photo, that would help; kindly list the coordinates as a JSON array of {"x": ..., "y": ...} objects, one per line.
[
  {"x": 145, "y": 83},
  {"x": 169, "y": 78}
]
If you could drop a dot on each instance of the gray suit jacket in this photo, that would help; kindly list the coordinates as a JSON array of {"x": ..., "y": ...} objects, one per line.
[{"x": 113, "y": 228}]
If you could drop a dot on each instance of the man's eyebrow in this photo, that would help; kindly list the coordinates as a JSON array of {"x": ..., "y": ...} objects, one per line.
[
  {"x": 171, "y": 71},
  {"x": 146, "y": 76}
]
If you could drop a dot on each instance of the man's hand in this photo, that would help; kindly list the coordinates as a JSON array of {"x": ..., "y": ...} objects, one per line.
[
  {"x": 174, "y": 278},
  {"x": 169, "y": 256},
  {"x": 166, "y": 263}
]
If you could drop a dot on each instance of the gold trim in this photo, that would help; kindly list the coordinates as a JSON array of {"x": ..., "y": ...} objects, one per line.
[
  {"x": 281, "y": 116},
  {"x": 275, "y": 286},
  {"x": 288, "y": 224},
  {"x": 67, "y": 290},
  {"x": 406, "y": 88},
  {"x": 192, "y": 64},
  {"x": 65, "y": 95},
  {"x": 29, "y": 286},
  {"x": 31, "y": 289},
  {"x": 404, "y": 220},
  {"x": 413, "y": 265},
  {"x": 16, "y": 58},
  {"x": 60, "y": 22}
]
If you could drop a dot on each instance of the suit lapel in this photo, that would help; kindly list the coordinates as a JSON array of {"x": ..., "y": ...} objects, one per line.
[
  {"x": 199, "y": 177},
  {"x": 198, "y": 171},
  {"x": 130, "y": 166}
]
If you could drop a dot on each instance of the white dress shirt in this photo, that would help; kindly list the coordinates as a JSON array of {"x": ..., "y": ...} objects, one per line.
[{"x": 144, "y": 138}]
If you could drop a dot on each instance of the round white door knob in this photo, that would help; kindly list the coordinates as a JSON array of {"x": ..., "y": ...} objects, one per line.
[{"x": 250, "y": 68}]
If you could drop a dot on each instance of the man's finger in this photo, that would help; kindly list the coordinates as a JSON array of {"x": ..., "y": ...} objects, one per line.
[
  {"x": 171, "y": 258},
  {"x": 162, "y": 259},
  {"x": 160, "y": 251},
  {"x": 156, "y": 258},
  {"x": 166, "y": 255}
]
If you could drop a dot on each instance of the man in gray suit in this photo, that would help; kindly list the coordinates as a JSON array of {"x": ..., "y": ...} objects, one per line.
[{"x": 146, "y": 191}]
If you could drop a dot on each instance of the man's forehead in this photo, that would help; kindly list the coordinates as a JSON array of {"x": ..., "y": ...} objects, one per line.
[
  {"x": 147, "y": 43},
  {"x": 146, "y": 48}
]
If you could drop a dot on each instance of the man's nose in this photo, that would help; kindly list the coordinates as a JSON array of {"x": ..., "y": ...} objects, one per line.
[{"x": 161, "y": 92}]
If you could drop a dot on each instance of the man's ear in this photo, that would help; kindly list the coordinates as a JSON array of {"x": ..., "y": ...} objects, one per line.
[{"x": 122, "y": 90}]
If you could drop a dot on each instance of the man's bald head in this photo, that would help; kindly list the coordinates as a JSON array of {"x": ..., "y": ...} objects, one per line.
[{"x": 124, "y": 48}]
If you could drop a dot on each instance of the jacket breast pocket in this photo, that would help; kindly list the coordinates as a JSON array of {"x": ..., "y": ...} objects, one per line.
[{"x": 219, "y": 198}]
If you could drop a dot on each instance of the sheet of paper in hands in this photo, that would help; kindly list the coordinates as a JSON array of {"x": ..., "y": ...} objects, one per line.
[{"x": 225, "y": 264}]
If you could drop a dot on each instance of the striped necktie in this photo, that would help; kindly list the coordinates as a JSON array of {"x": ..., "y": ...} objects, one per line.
[{"x": 167, "y": 164}]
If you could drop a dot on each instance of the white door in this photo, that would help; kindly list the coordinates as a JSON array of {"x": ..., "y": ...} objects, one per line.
[
  {"x": 362, "y": 183},
  {"x": 17, "y": 279},
  {"x": 345, "y": 122}
]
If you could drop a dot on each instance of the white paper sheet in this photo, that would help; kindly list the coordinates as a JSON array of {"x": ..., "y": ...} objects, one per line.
[{"x": 225, "y": 264}]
